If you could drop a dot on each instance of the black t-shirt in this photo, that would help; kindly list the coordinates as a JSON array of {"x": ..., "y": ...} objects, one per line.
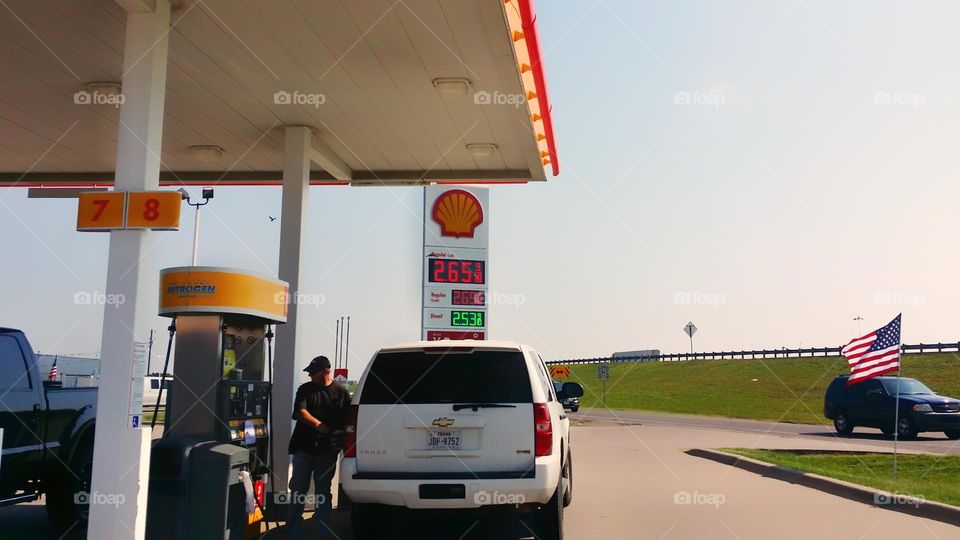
[{"x": 327, "y": 404}]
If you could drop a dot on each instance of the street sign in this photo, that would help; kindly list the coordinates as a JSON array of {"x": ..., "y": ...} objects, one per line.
[
  {"x": 603, "y": 372},
  {"x": 340, "y": 375},
  {"x": 559, "y": 372},
  {"x": 690, "y": 329}
]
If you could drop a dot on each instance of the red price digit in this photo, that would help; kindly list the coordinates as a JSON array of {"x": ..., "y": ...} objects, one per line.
[
  {"x": 478, "y": 275},
  {"x": 152, "y": 212},
  {"x": 101, "y": 205},
  {"x": 453, "y": 272}
]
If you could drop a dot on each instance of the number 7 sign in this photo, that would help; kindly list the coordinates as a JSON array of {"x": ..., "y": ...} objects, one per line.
[{"x": 101, "y": 210}]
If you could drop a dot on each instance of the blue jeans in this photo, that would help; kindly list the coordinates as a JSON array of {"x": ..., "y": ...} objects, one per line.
[{"x": 322, "y": 468}]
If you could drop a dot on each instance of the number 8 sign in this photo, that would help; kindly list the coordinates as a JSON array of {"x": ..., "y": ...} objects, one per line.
[{"x": 158, "y": 210}]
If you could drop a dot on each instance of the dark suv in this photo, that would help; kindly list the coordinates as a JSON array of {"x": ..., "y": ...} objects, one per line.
[
  {"x": 572, "y": 404},
  {"x": 872, "y": 403}
]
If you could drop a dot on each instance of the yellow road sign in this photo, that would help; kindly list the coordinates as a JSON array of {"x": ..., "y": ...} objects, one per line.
[{"x": 560, "y": 372}]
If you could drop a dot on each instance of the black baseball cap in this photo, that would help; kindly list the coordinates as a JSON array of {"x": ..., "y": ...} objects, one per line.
[{"x": 318, "y": 363}]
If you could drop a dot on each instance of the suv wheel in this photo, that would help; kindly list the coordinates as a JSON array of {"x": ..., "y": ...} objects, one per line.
[
  {"x": 952, "y": 434},
  {"x": 367, "y": 521},
  {"x": 842, "y": 424},
  {"x": 567, "y": 476},
  {"x": 905, "y": 429},
  {"x": 66, "y": 507},
  {"x": 549, "y": 517}
]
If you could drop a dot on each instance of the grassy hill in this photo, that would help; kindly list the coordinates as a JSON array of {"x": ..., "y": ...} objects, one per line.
[{"x": 788, "y": 390}]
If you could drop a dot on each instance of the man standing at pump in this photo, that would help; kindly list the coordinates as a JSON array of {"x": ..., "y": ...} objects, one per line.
[{"x": 320, "y": 410}]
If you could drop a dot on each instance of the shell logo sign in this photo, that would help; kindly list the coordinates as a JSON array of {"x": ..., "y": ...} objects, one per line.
[
  {"x": 458, "y": 212},
  {"x": 456, "y": 237}
]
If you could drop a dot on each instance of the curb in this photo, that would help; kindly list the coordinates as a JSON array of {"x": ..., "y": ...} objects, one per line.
[{"x": 855, "y": 492}]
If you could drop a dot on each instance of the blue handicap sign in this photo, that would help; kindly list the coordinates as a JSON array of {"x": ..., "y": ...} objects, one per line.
[{"x": 135, "y": 421}]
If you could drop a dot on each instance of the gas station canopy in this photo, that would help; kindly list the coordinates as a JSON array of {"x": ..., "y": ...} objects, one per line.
[
  {"x": 137, "y": 94},
  {"x": 395, "y": 92}
]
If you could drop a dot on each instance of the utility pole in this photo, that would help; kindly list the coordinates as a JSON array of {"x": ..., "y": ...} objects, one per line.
[
  {"x": 346, "y": 355},
  {"x": 150, "y": 352}
]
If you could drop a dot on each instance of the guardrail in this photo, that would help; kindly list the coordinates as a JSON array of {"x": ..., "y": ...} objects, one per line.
[{"x": 751, "y": 355}]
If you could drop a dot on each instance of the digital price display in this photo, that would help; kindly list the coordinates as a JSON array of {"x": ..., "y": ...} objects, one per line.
[
  {"x": 457, "y": 271},
  {"x": 459, "y": 297},
  {"x": 472, "y": 319}
]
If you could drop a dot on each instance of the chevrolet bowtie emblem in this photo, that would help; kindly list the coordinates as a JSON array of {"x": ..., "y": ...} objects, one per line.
[{"x": 443, "y": 422}]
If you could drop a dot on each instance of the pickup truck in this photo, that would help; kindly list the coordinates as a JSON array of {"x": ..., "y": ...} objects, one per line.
[{"x": 47, "y": 436}]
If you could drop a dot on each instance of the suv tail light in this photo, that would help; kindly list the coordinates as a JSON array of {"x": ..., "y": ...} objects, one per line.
[
  {"x": 542, "y": 430},
  {"x": 350, "y": 432}
]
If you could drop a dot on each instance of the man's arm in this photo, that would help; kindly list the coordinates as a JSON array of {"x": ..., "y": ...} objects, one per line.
[
  {"x": 301, "y": 414},
  {"x": 307, "y": 418}
]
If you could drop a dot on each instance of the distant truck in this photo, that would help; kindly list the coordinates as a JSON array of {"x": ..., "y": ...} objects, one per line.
[
  {"x": 47, "y": 436},
  {"x": 151, "y": 391},
  {"x": 645, "y": 355}
]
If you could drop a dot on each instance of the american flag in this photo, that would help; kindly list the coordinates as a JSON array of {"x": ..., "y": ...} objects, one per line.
[
  {"x": 52, "y": 376},
  {"x": 874, "y": 354}
]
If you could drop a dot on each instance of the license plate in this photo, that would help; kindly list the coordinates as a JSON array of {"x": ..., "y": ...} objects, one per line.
[{"x": 445, "y": 440}]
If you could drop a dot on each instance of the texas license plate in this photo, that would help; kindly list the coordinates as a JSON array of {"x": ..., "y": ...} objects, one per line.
[{"x": 445, "y": 440}]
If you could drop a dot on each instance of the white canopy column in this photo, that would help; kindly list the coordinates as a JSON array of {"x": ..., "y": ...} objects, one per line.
[
  {"x": 121, "y": 452},
  {"x": 295, "y": 205}
]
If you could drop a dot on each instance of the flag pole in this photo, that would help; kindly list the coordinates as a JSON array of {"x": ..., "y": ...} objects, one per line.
[{"x": 896, "y": 414}]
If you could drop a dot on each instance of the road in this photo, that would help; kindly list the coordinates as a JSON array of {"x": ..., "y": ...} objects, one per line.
[
  {"x": 936, "y": 443},
  {"x": 631, "y": 479}
]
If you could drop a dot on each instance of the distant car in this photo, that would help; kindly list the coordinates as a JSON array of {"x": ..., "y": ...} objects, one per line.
[
  {"x": 872, "y": 403},
  {"x": 572, "y": 404}
]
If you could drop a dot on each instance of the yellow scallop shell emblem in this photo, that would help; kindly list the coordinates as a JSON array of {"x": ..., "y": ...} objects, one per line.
[{"x": 458, "y": 212}]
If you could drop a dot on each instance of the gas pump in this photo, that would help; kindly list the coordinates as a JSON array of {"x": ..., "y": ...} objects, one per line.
[{"x": 207, "y": 472}]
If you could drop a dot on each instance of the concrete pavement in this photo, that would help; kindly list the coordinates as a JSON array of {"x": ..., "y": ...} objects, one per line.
[{"x": 633, "y": 481}]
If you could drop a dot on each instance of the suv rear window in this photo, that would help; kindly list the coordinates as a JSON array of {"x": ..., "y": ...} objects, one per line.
[{"x": 442, "y": 377}]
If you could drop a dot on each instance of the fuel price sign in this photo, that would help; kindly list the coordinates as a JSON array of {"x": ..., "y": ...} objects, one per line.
[{"x": 455, "y": 242}]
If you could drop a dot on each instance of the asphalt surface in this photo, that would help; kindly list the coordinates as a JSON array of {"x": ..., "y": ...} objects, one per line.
[
  {"x": 934, "y": 442},
  {"x": 633, "y": 481}
]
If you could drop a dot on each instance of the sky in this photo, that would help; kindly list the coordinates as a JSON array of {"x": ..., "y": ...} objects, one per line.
[{"x": 766, "y": 169}]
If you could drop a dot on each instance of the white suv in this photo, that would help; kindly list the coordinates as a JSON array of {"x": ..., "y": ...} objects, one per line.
[{"x": 459, "y": 425}]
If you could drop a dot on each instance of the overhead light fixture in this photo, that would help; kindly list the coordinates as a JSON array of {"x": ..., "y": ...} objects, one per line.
[
  {"x": 207, "y": 153},
  {"x": 452, "y": 86},
  {"x": 104, "y": 88},
  {"x": 482, "y": 150}
]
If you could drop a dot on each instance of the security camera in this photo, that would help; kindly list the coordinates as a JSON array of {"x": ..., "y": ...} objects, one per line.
[
  {"x": 184, "y": 195},
  {"x": 208, "y": 193}
]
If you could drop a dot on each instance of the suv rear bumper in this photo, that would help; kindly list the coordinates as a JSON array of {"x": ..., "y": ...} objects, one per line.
[{"x": 482, "y": 489}]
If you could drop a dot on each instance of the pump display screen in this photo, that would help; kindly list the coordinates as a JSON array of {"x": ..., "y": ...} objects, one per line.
[
  {"x": 457, "y": 271},
  {"x": 459, "y": 297},
  {"x": 472, "y": 319}
]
